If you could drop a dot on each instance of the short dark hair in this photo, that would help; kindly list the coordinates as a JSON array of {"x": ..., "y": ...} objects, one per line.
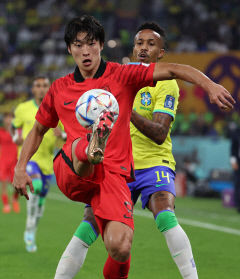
[
  {"x": 40, "y": 77},
  {"x": 156, "y": 28},
  {"x": 8, "y": 113},
  {"x": 85, "y": 23}
]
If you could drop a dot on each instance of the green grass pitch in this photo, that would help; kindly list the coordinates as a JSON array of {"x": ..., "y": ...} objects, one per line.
[{"x": 214, "y": 233}]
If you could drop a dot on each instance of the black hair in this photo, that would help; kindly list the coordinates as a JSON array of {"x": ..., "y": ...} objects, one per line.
[
  {"x": 85, "y": 23},
  {"x": 156, "y": 28},
  {"x": 40, "y": 77},
  {"x": 8, "y": 113}
]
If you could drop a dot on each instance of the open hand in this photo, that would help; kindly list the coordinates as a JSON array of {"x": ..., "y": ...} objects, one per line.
[
  {"x": 20, "y": 181},
  {"x": 220, "y": 96}
]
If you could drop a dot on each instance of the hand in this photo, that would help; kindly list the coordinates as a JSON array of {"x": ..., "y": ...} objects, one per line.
[
  {"x": 220, "y": 96},
  {"x": 19, "y": 141},
  {"x": 20, "y": 181},
  {"x": 235, "y": 166},
  {"x": 57, "y": 132}
]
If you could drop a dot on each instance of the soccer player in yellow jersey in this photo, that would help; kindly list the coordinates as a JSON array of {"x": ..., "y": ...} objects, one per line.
[
  {"x": 40, "y": 168},
  {"x": 152, "y": 119}
]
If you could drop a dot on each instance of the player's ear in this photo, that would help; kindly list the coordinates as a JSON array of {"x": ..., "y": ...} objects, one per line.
[
  {"x": 101, "y": 46},
  {"x": 161, "y": 53},
  {"x": 69, "y": 50}
]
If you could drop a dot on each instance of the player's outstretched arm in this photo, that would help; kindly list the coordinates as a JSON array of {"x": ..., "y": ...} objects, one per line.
[
  {"x": 30, "y": 146},
  {"x": 217, "y": 94}
]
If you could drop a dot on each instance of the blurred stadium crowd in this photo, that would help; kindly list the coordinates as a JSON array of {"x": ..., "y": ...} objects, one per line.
[{"x": 31, "y": 40}]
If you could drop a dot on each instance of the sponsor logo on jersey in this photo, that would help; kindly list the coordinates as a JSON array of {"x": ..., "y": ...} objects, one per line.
[
  {"x": 146, "y": 98},
  {"x": 169, "y": 102}
]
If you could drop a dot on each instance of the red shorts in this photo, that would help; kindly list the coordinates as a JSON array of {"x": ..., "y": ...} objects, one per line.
[
  {"x": 107, "y": 192},
  {"x": 7, "y": 170}
]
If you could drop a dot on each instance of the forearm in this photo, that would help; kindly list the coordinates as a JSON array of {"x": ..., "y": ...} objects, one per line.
[
  {"x": 179, "y": 71},
  {"x": 153, "y": 130}
]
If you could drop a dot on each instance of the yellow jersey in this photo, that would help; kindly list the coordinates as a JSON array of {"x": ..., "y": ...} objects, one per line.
[
  {"x": 24, "y": 118},
  {"x": 161, "y": 98}
]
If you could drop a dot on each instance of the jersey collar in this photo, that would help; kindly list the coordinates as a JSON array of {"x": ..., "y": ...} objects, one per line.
[{"x": 101, "y": 69}]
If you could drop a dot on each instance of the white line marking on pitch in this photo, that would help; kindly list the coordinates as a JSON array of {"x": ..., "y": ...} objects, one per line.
[{"x": 59, "y": 197}]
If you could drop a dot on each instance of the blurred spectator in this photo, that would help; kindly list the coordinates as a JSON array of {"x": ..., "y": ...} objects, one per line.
[
  {"x": 31, "y": 40},
  {"x": 235, "y": 163}
]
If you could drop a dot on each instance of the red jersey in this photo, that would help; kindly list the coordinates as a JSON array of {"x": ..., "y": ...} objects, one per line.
[
  {"x": 123, "y": 81},
  {"x": 8, "y": 149}
]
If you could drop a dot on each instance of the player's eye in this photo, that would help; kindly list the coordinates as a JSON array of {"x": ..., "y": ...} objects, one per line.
[{"x": 77, "y": 44}]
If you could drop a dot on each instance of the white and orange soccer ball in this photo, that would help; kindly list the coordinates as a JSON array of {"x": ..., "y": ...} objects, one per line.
[{"x": 92, "y": 103}]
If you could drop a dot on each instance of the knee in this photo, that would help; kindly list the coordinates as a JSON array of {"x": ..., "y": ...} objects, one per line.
[
  {"x": 120, "y": 250},
  {"x": 119, "y": 245}
]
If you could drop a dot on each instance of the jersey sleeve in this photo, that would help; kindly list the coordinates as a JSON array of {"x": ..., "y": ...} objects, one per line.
[
  {"x": 137, "y": 75},
  {"x": 47, "y": 114},
  {"x": 166, "y": 97},
  {"x": 17, "y": 121}
]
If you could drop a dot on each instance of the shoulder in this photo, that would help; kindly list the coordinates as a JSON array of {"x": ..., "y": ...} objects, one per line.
[
  {"x": 113, "y": 66},
  {"x": 168, "y": 85},
  {"x": 62, "y": 82},
  {"x": 25, "y": 105}
]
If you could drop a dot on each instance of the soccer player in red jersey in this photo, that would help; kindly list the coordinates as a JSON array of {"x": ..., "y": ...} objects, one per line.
[
  {"x": 84, "y": 171},
  {"x": 8, "y": 160}
]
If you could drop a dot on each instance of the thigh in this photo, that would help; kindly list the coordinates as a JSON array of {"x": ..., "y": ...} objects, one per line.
[
  {"x": 46, "y": 184},
  {"x": 72, "y": 185},
  {"x": 155, "y": 180},
  {"x": 160, "y": 201},
  {"x": 113, "y": 202}
]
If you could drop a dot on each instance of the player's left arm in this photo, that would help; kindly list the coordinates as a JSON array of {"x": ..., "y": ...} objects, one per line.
[{"x": 217, "y": 94}]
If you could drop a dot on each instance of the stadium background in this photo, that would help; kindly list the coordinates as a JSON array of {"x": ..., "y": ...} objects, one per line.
[{"x": 204, "y": 34}]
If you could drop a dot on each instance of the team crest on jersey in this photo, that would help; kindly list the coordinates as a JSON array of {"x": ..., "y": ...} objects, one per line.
[
  {"x": 146, "y": 98},
  {"x": 169, "y": 102}
]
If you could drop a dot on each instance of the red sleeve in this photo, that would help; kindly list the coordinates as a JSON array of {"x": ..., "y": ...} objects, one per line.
[
  {"x": 136, "y": 74},
  {"x": 47, "y": 114}
]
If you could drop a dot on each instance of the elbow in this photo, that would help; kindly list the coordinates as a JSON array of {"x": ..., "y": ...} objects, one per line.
[
  {"x": 161, "y": 137},
  {"x": 160, "y": 140}
]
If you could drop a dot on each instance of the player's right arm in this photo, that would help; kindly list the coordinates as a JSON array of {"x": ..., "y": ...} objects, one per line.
[{"x": 29, "y": 148}]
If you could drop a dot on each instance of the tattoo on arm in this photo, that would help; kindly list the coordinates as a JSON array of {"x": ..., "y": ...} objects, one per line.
[{"x": 155, "y": 129}]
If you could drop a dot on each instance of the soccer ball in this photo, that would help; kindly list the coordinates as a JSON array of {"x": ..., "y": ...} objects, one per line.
[{"x": 92, "y": 103}]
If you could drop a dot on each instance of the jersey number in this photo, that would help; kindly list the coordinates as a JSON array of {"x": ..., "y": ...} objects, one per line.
[{"x": 166, "y": 174}]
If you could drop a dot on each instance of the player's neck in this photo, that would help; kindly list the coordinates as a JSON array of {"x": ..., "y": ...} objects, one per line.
[
  {"x": 91, "y": 73},
  {"x": 37, "y": 101}
]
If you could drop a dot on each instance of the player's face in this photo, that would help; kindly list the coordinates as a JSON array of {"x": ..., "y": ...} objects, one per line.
[
  {"x": 86, "y": 53},
  {"x": 7, "y": 121},
  {"x": 148, "y": 46},
  {"x": 40, "y": 88}
]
